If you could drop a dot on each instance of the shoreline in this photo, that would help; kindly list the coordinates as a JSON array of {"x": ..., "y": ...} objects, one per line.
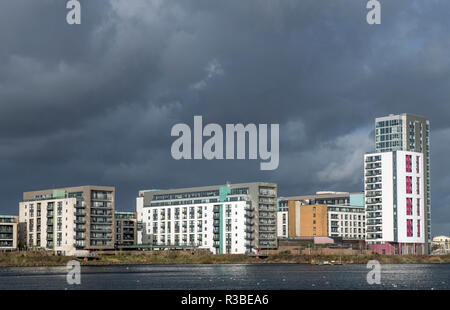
[{"x": 27, "y": 259}]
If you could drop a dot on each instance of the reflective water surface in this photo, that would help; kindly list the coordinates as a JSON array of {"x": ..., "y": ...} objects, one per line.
[{"x": 229, "y": 277}]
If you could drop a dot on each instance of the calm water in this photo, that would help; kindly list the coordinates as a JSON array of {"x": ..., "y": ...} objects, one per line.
[{"x": 229, "y": 277}]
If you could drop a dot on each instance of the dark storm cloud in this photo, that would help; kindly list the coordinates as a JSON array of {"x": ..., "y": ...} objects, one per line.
[{"x": 94, "y": 103}]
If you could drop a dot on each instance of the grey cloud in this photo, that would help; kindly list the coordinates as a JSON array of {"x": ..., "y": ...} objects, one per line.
[{"x": 95, "y": 103}]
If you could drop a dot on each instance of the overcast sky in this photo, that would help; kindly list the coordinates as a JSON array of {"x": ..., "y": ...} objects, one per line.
[{"x": 94, "y": 103}]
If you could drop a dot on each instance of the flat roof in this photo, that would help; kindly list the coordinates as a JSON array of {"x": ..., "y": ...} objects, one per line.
[
  {"x": 209, "y": 187},
  {"x": 324, "y": 195}
]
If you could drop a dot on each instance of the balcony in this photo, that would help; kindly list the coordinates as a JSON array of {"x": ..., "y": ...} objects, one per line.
[
  {"x": 267, "y": 192},
  {"x": 249, "y": 215},
  {"x": 375, "y": 222},
  {"x": 101, "y": 197},
  {"x": 373, "y": 200},
  {"x": 266, "y": 215},
  {"x": 374, "y": 215},
  {"x": 371, "y": 229},
  {"x": 249, "y": 237},
  {"x": 267, "y": 237},
  {"x": 80, "y": 206},
  {"x": 101, "y": 207},
  {"x": 373, "y": 173},
  {"x": 373, "y": 194},
  {"x": 267, "y": 208},
  {"x": 100, "y": 214},
  {"x": 267, "y": 229},
  {"x": 108, "y": 237}
]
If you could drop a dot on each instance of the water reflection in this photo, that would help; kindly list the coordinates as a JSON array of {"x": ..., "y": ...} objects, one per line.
[{"x": 229, "y": 277}]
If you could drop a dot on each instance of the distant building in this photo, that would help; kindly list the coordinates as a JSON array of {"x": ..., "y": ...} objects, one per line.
[
  {"x": 348, "y": 222},
  {"x": 395, "y": 199},
  {"x": 323, "y": 198},
  {"x": 441, "y": 245},
  {"x": 69, "y": 219},
  {"x": 232, "y": 218},
  {"x": 8, "y": 232},
  {"x": 333, "y": 214},
  {"x": 126, "y": 228},
  {"x": 282, "y": 218}
]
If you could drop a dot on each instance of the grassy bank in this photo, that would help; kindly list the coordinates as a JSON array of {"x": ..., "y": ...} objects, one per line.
[{"x": 44, "y": 259}]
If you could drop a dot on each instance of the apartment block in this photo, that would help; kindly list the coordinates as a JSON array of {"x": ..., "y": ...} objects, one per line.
[
  {"x": 8, "y": 232},
  {"x": 232, "y": 218},
  {"x": 337, "y": 214},
  {"x": 441, "y": 245},
  {"x": 347, "y": 221},
  {"x": 394, "y": 185},
  {"x": 67, "y": 220},
  {"x": 408, "y": 132},
  {"x": 126, "y": 228}
]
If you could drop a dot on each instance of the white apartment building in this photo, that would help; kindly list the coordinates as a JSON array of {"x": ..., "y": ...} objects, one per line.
[
  {"x": 50, "y": 224},
  {"x": 394, "y": 202},
  {"x": 348, "y": 222},
  {"x": 408, "y": 132},
  {"x": 234, "y": 219},
  {"x": 68, "y": 220},
  {"x": 220, "y": 228}
]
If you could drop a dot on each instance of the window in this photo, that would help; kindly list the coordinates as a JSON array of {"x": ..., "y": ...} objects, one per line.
[
  {"x": 418, "y": 185},
  {"x": 409, "y": 228},
  {"x": 418, "y": 206},
  {"x": 408, "y": 185},
  {"x": 418, "y": 228},
  {"x": 417, "y": 163},
  {"x": 408, "y": 206},
  {"x": 408, "y": 163}
]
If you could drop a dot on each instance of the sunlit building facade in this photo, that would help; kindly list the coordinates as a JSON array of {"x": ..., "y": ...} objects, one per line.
[{"x": 232, "y": 218}]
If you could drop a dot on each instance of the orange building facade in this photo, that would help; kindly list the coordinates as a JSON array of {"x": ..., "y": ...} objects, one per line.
[{"x": 307, "y": 220}]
